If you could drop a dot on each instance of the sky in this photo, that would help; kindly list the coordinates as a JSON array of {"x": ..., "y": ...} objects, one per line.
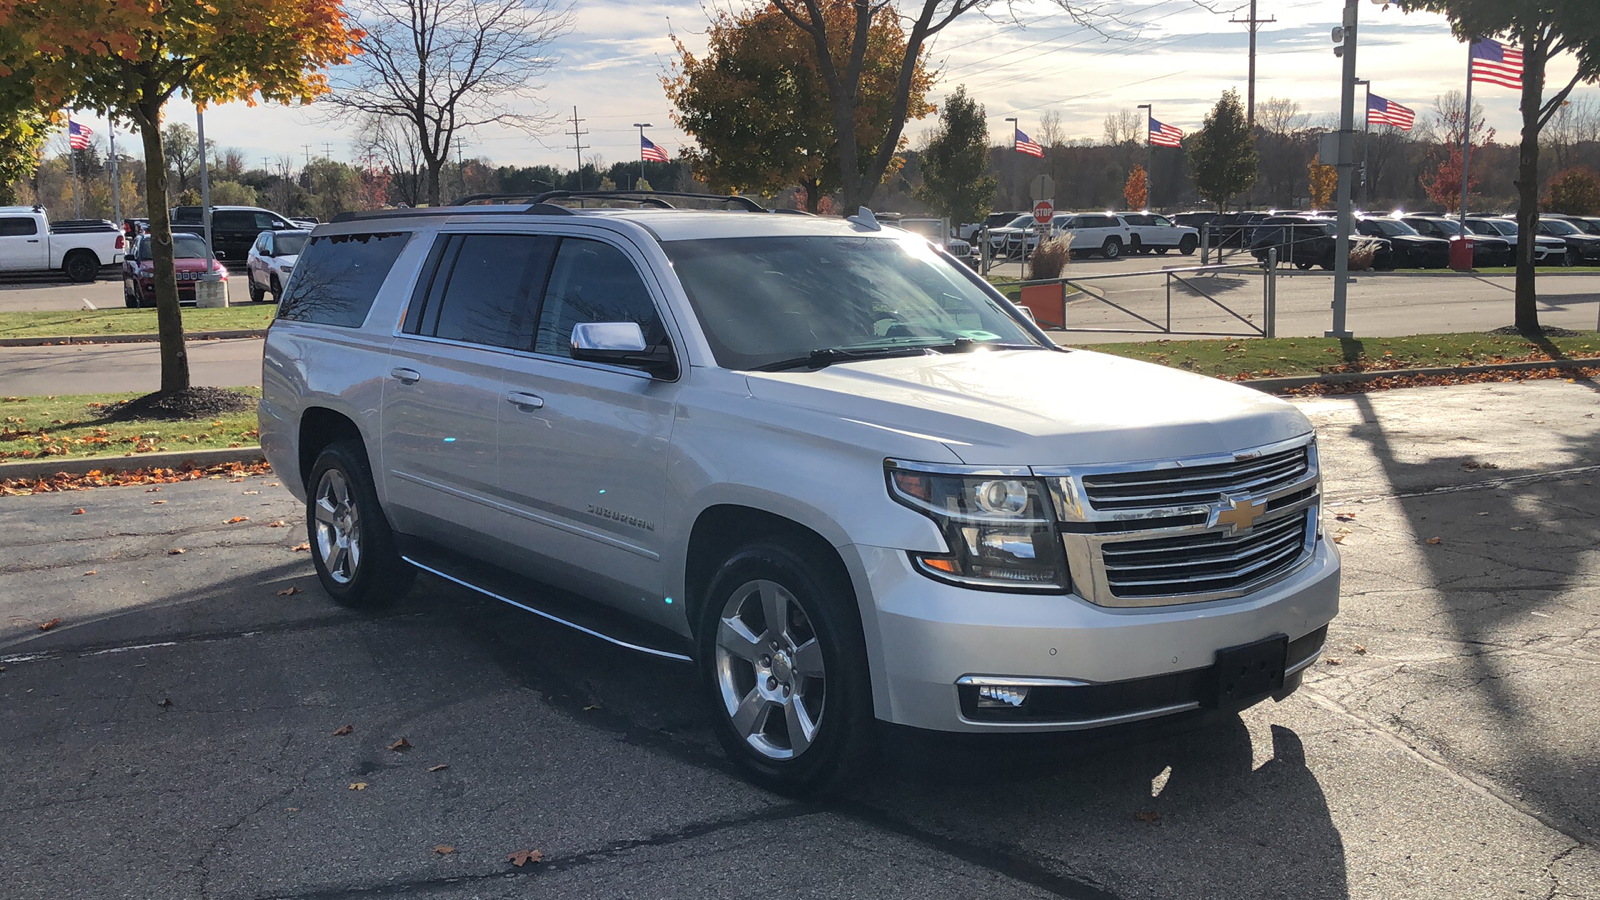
[{"x": 1023, "y": 59}]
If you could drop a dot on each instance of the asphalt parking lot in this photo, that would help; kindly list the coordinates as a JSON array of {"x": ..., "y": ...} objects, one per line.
[{"x": 175, "y": 734}]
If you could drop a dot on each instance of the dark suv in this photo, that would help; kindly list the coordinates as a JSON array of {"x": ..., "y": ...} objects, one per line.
[
  {"x": 233, "y": 228},
  {"x": 1305, "y": 242}
]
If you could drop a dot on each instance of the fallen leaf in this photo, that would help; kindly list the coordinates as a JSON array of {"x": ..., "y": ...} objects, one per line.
[
  {"x": 278, "y": 524},
  {"x": 273, "y": 484},
  {"x": 157, "y": 502},
  {"x": 237, "y": 519},
  {"x": 1151, "y": 816},
  {"x": 443, "y": 849},
  {"x": 175, "y": 550},
  {"x": 152, "y": 490},
  {"x": 1360, "y": 649},
  {"x": 294, "y": 809},
  {"x": 1345, "y": 516},
  {"x": 358, "y": 785},
  {"x": 344, "y": 731},
  {"x": 164, "y": 702},
  {"x": 594, "y": 707},
  {"x": 1335, "y": 661},
  {"x": 1338, "y": 539},
  {"x": 439, "y": 768},
  {"x": 46, "y": 626},
  {"x": 400, "y": 745},
  {"x": 523, "y": 857},
  {"x": 1435, "y": 540},
  {"x": 300, "y": 547},
  {"x": 78, "y": 511},
  {"x": 90, "y": 572},
  {"x": 290, "y": 591},
  {"x": 248, "y": 493}
]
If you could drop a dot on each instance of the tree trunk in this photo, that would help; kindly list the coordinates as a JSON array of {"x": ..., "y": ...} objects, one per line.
[
  {"x": 1527, "y": 302},
  {"x": 169, "y": 315},
  {"x": 433, "y": 181},
  {"x": 813, "y": 188}
]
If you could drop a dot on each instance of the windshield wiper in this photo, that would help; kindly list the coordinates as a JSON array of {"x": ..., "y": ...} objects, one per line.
[
  {"x": 827, "y": 356},
  {"x": 967, "y": 345}
]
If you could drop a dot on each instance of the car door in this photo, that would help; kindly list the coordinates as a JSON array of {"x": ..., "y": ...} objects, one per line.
[
  {"x": 22, "y": 246},
  {"x": 583, "y": 446},
  {"x": 469, "y": 310},
  {"x": 1162, "y": 232},
  {"x": 256, "y": 262}
]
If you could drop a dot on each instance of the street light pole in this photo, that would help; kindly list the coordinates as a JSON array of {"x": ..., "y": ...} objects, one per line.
[
  {"x": 1013, "y": 143},
  {"x": 1149, "y": 116},
  {"x": 641, "y": 126}
]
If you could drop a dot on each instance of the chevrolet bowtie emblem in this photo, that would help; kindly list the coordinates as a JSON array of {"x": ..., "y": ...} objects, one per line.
[{"x": 1240, "y": 514}]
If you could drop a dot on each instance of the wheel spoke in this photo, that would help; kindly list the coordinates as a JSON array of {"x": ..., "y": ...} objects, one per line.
[
  {"x": 735, "y": 637},
  {"x": 352, "y": 555},
  {"x": 749, "y": 716},
  {"x": 801, "y": 729},
  {"x": 807, "y": 659},
  {"x": 341, "y": 491},
  {"x": 325, "y": 511},
  {"x": 337, "y": 563},
  {"x": 775, "y": 608}
]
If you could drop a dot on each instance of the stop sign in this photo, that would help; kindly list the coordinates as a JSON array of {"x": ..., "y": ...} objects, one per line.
[{"x": 1042, "y": 211}]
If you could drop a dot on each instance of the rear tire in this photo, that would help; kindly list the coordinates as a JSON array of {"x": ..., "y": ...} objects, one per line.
[
  {"x": 791, "y": 703},
  {"x": 1112, "y": 248},
  {"x": 81, "y": 266},
  {"x": 1567, "y": 260},
  {"x": 351, "y": 544}
]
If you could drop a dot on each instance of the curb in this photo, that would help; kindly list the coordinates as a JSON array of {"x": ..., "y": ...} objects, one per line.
[
  {"x": 82, "y": 466},
  {"x": 1272, "y": 385},
  {"x": 127, "y": 338}
]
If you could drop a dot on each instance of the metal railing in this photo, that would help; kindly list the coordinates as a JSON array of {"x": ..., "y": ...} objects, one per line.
[{"x": 1186, "y": 278}]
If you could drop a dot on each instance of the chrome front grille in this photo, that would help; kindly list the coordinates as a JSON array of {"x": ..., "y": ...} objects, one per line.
[
  {"x": 1180, "y": 485},
  {"x": 1206, "y": 562}
]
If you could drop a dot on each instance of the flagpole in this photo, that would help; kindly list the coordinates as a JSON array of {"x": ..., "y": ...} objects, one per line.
[
  {"x": 1366, "y": 141},
  {"x": 1466, "y": 140},
  {"x": 72, "y": 154},
  {"x": 641, "y": 126},
  {"x": 116, "y": 196}
]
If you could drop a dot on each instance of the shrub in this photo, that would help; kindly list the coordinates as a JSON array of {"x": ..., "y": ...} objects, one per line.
[
  {"x": 1362, "y": 255},
  {"x": 1051, "y": 257},
  {"x": 1575, "y": 192}
]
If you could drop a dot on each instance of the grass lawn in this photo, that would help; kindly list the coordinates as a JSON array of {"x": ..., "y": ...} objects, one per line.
[
  {"x": 76, "y": 427},
  {"x": 1286, "y": 357},
  {"x": 130, "y": 321}
]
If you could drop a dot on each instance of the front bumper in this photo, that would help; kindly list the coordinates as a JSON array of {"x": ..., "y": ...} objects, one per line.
[{"x": 925, "y": 637}]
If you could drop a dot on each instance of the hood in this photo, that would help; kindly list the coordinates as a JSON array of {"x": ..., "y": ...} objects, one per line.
[
  {"x": 191, "y": 265},
  {"x": 287, "y": 260},
  {"x": 1038, "y": 408},
  {"x": 1421, "y": 239}
]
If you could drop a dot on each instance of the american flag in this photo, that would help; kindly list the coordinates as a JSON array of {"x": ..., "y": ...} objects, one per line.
[
  {"x": 1388, "y": 112},
  {"x": 1495, "y": 63},
  {"x": 650, "y": 150},
  {"x": 78, "y": 135},
  {"x": 1025, "y": 144},
  {"x": 1165, "y": 135}
]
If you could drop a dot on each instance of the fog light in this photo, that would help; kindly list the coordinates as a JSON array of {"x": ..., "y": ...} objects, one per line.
[{"x": 1001, "y": 697}]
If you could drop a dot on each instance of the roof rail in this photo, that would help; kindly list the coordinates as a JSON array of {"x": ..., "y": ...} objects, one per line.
[
  {"x": 500, "y": 199},
  {"x": 422, "y": 212},
  {"x": 652, "y": 198}
]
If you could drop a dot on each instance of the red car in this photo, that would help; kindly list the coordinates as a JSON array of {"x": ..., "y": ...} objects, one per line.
[{"x": 190, "y": 260}]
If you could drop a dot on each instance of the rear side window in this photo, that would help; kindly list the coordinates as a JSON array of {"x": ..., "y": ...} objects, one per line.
[
  {"x": 338, "y": 276},
  {"x": 593, "y": 282},
  {"x": 1139, "y": 220},
  {"x": 486, "y": 289},
  {"x": 18, "y": 226}
]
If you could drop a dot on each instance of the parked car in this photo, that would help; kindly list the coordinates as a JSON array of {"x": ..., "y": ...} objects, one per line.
[
  {"x": 271, "y": 261},
  {"x": 1582, "y": 247},
  {"x": 29, "y": 243},
  {"x": 132, "y": 228},
  {"x": 842, "y": 476},
  {"x": 1304, "y": 242},
  {"x": 931, "y": 229},
  {"x": 1411, "y": 250},
  {"x": 1150, "y": 232},
  {"x": 1487, "y": 250},
  {"x": 1237, "y": 229},
  {"x": 190, "y": 261},
  {"x": 1102, "y": 233},
  {"x": 1009, "y": 239},
  {"x": 1585, "y": 224},
  {"x": 1547, "y": 250},
  {"x": 233, "y": 228},
  {"x": 969, "y": 231}
]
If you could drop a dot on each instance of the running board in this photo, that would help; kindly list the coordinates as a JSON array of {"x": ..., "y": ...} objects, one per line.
[{"x": 597, "y": 621}]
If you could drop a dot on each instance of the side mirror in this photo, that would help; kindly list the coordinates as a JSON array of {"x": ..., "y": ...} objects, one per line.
[{"x": 622, "y": 344}]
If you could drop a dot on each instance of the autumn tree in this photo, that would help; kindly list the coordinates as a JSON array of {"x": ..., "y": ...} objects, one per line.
[
  {"x": 1136, "y": 190},
  {"x": 1542, "y": 31},
  {"x": 1574, "y": 192},
  {"x": 131, "y": 58},
  {"x": 438, "y": 69},
  {"x": 1323, "y": 181},
  {"x": 1223, "y": 154},
  {"x": 23, "y": 132},
  {"x": 757, "y": 105},
  {"x": 955, "y": 163}
]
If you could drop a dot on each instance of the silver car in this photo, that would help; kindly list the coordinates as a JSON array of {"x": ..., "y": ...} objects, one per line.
[{"x": 817, "y": 459}]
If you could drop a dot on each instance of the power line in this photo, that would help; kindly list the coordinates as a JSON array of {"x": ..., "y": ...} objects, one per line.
[{"x": 577, "y": 144}]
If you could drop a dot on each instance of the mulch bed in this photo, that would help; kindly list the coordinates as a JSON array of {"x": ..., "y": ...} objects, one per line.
[{"x": 193, "y": 403}]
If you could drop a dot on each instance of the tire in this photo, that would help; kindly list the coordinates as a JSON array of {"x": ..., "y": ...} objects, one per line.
[
  {"x": 1187, "y": 243},
  {"x": 747, "y": 682},
  {"x": 1136, "y": 246},
  {"x": 276, "y": 290},
  {"x": 1567, "y": 260},
  {"x": 1303, "y": 266},
  {"x": 256, "y": 293},
  {"x": 1162, "y": 251},
  {"x": 81, "y": 266},
  {"x": 351, "y": 544},
  {"x": 1112, "y": 248},
  {"x": 129, "y": 300}
]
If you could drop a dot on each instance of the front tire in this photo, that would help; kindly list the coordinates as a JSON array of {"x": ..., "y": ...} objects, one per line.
[
  {"x": 351, "y": 544},
  {"x": 1112, "y": 248},
  {"x": 1187, "y": 243},
  {"x": 256, "y": 293},
  {"x": 276, "y": 290},
  {"x": 784, "y": 664}
]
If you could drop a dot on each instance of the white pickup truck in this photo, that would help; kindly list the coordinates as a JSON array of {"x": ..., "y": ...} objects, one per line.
[{"x": 28, "y": 243}]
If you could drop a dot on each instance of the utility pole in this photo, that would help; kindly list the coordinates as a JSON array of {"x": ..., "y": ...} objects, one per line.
[
  {"x": 1254, "y": 23},
  {"x": 327, "y": 151},
  {"x": 577, "y": 143},
  {"x": 205, "y": 180},
  {"x": 1013, "y": 148},
  {"x": 461, "y": 170},
  {"x": 308, "y": 155},
  {"x": 1345, "y": 37}
]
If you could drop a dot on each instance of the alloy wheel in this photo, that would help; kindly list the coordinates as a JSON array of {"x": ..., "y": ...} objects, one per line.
[
  {"x": 769, "y": 669},
  {"x": 338, "y": 527}
]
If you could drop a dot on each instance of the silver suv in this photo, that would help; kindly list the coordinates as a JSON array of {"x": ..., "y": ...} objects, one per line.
[{"x": 817, "y": 458}]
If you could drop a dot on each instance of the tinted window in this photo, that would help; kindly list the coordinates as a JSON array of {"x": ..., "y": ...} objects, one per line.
[
  {"x": 1163, "y": 221},
  {"x": 232, "y": 220},
  {"x": 593, "y": 282},
  {"x": 1097, "y": 222},
  {"x": 491, "y": 290},
  {"x": 264, "y": 221},
  {"x": 338, "y": 277},
  {"x": 1138, "y": 219},
  {"x": 1556, "y": 226},
  {"x": 19, "y": 226},
  {"x": 187, "y": 246},
  {"x": 287, "y": 244}
]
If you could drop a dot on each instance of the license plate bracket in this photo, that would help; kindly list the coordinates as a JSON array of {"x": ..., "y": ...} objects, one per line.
[{"x": 1249, "y": 673}]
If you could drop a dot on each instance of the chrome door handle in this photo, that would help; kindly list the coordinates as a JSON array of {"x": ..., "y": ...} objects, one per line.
[
  {"x": 405, "y": 376},
  {"x": 523, "y": 400}
]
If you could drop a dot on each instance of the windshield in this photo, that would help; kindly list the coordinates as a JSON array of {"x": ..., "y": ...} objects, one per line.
[
  {"x": 289, "y": 244},
  {"x": 1390, "y": 227},
  {"x": 1448, "y": 226},
  {"x": 184, "y": 246},
  {"x": 1021, "y": 221},
  {"x": 1502, "y": 227},
  {"x": 1557, "y": 226},
  {"x": 1587, "y": 226},
  {"x": 764, "y": 300}
]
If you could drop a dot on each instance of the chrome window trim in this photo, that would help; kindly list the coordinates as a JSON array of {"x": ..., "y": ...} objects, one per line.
[{"x": 525, "y": 354}]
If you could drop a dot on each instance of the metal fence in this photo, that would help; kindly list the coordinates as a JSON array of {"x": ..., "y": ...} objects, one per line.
[{"x": 1091, "y": 287}]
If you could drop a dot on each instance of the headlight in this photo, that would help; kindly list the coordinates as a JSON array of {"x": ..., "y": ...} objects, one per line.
[{"x": 999, "y": 527}]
